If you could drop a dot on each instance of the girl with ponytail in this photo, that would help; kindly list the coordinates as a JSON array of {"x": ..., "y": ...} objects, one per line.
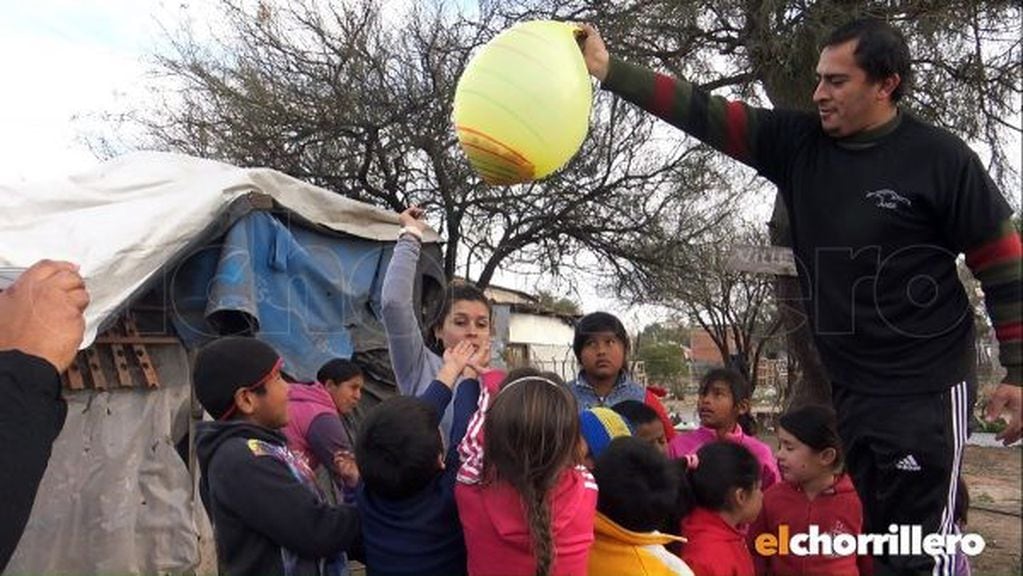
[
  {"x": 722, "y": 485},
  {"x": 724, "y": 409},
  {"x": 526, "y": 504}
]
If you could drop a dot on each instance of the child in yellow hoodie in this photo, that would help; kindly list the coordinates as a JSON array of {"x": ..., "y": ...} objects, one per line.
[{"x": 638, "y": 487}]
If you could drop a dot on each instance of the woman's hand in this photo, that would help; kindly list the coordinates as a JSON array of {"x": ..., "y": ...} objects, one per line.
[{"x": 412, "y": 217}]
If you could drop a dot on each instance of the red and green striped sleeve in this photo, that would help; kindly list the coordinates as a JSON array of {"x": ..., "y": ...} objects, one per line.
[
  {"x": 728, "y": 126},
  {"x": 998, "y": 264}
]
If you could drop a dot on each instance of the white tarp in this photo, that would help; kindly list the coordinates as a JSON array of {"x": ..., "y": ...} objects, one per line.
[
  {"x": 116, "y": 497},
  {"x": 124, "y": 220}
]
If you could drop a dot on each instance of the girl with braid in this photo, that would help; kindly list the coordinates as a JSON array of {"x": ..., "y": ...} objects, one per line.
[{"x": 526, "y": 504}]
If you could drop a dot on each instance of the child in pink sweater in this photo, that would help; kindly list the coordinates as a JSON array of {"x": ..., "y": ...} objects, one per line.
[
  {"x": 724, "y": 409},
  {"x": 526, "y": 505}
]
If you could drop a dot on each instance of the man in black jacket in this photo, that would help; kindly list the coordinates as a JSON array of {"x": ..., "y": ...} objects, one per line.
[
  {"x": 880, "y": 205},
  {"x": 41, "y": 327},
  {"x": 268, "y": 515}
]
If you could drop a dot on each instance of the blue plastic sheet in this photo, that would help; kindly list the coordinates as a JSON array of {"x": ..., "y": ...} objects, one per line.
[{"x": 300, "y": 290}]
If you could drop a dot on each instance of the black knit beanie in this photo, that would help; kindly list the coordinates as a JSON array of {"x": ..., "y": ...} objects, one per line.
[
  {"x": 813, "y": 425},
  {"x": 227, "y": 364}
]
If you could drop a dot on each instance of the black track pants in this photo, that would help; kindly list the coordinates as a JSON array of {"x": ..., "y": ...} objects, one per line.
[{"x": 904, "y": 454}]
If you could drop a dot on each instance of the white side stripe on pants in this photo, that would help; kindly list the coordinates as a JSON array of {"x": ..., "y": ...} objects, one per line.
[{"x": 944, "y": 564}]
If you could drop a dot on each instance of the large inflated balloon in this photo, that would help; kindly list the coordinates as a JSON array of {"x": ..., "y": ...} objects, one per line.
[{"x": 522, "y": 106}]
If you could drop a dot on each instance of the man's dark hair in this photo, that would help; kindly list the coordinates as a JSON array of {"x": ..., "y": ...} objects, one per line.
[
  {"x": 597, "y": 323},
  {"x": 638, "y": 485},
  {"x": 398, "y": 446},
  {"x": 339, "y": 370},
  {"x": 881, "y": 51},
  {"x": 636, "y": 413}
]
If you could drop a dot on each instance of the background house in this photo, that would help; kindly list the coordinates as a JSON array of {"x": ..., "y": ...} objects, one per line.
[{"x": 528, "y": 334}]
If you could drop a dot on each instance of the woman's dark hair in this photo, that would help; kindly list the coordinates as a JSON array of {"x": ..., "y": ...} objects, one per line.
[
  {"x": 638, "y": 485},
  {"x": 723, "y": 466},
  {"x": 339, "y": 370},
  {"x": 597, "y": 323},
  {"x": 455, "y": 292},
  {"x": 816, "y": 426},
  {"x": 881, "y": 51},
  {"x": 537, "y": 411},
  {"x": 741, "y": 391}
]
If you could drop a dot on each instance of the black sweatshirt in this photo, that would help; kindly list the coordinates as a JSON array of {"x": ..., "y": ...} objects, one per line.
[
  {"x": 31, "y": 416},
  {"x": 268, "y": 517},
  {"x": 877, "y": 222}
]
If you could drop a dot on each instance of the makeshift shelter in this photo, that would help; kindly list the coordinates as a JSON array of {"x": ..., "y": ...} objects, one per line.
[{"x": 176, "y": 250}]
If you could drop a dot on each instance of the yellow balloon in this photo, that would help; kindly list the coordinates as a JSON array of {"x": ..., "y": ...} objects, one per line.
[{"x": 522, "y": 105}]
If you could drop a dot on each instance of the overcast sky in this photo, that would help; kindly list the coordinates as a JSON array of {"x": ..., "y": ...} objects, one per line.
[{"x": 62, "y": 62}]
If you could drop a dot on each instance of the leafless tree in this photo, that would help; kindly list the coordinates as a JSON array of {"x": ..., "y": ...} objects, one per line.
[
  {"x": 736, "y": 309},
  {"x": 359, "y": 101}
]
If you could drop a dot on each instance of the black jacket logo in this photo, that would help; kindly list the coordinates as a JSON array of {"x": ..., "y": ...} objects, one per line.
[{"x": 889, "y": 199}]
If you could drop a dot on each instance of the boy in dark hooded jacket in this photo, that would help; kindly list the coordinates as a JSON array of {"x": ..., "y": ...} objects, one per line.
[{"x": 268, "y": 515}]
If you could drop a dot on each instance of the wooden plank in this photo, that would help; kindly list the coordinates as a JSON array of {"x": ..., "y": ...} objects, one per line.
[
  {"x": 121, "y": 364},
  {"x": 141, "y": 355},
  {"x": 775, "y": 260},
  {"x": 74, "y": 375},
  {"x": 99, "y": 380},
  {"x": 152, "y": 381}
]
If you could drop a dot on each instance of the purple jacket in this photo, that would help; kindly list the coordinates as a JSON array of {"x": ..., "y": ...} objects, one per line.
[
  {"x": 306, "y": 403},
  {"x": 690, "y": 442}
]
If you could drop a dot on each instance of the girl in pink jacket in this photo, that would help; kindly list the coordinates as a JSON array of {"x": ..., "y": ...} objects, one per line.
[
  {"x": 725, "y": 399},
  {"x": 527, "y": 507}
]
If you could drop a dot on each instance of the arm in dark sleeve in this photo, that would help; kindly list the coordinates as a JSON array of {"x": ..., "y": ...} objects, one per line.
[
  {"x": 327, "y": 436},
  {"x": 977, "y": 222},
  {"x": 998, "y": 266},
  {"x": 31, "y": 416},
  {"x": 466, "y": 398},
  {"x": 437, "y": 395},
  {"x": 266, "y": 496},
  {"x": 761, "y": 138}
]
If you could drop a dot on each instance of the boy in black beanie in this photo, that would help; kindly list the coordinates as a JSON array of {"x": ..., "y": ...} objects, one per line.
[{"x": 268, "y": 515}]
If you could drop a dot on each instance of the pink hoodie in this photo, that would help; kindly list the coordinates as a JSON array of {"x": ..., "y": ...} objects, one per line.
[
  {"x": 497, "y": 535},
  {"x": 691, "y": 442},
  {"x": 305, "y": 403},
  {"x": 493, "y": 516}
]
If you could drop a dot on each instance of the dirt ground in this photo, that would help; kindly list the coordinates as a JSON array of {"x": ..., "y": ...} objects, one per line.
[{"x": 993, "y": 478}]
